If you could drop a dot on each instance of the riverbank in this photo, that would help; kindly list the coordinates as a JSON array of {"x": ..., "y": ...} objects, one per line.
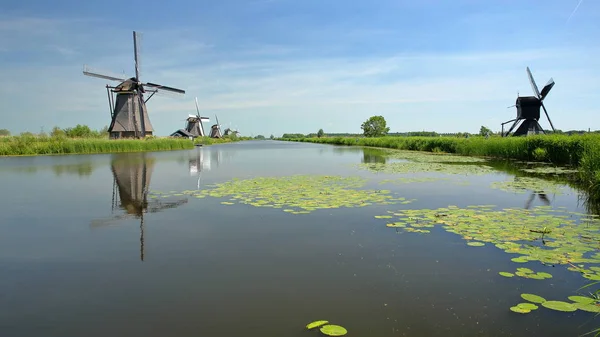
[
  {"x": 579, "y": 151},
  {"x": 39, "y": 145}
]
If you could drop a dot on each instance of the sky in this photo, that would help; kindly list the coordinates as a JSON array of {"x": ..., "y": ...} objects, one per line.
[{"x": 283, "y": 66}]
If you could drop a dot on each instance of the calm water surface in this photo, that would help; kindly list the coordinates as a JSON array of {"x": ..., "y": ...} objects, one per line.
[{"x": 77, "y": 259}]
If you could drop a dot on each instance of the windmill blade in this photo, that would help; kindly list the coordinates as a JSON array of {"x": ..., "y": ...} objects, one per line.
[
  {"x": 91, "y": 72},
  {"x": 547, "y": 116},
  {"x": 546, "y": 89},
  {"x": 197, "y": 108},
  {"x": 164, "y": 87},
  {"x": 136, "y": 53},
  {"x": 533, "y": 85}
]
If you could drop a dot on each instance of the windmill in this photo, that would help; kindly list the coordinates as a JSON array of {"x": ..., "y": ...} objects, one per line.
[
  {"x": 128, "y": 112},
  {"x": 528, "y": 110},
  {"x": 229, "y": 131},
  {"x": 193, "y": 127},
  {"x": 215, "y": 130},
  {"x": 131, "y": 182}
]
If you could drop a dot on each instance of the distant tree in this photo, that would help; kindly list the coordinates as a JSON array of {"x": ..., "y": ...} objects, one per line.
[
  {"x": 261, "y": 137},
  {"x": 484, "y": 131},
  {"x": 4, "y": 132},
  {"x": 79, "y": 131},
  {"x": 57, "y": 132},
  {"x": 375, "y": 126},
  {"x": 272, "y": 137},
  {"x": 320, "y": 133}
]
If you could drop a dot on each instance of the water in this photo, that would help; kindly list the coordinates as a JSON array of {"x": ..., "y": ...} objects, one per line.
[{"x": 75, "y": 262}]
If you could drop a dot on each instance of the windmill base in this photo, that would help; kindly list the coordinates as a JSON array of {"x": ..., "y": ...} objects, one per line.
[
  {"x": 127, "y": 134},
  {"x": 528, "y": 127}
]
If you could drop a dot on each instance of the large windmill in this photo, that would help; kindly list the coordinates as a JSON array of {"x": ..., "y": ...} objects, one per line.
[
  {"x": 528, "y": 110},
  {"x": 129, "y": 115},
  {"x": 215, "y": 130},
  {"x": 131, "y": 174}
]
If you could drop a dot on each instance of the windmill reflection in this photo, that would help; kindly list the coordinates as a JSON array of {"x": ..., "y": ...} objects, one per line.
[
  {"x": 200, "y": 162},
  {"x": 131, "y": 183},
  {"x": 541, "y": 195}
]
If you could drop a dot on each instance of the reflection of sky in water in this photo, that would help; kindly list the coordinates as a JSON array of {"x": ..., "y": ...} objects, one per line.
[{"x": 216, "y": 270}]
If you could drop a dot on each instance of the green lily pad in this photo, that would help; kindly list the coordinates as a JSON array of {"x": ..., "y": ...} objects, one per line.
[
  {"x": 559, "y": 306},
  {"x": 333, "y": 330},
  {"x": 520, "y": 259},
  {"x": 475, "y": 244},
  {"x": 525, "y": 270},
  {"x": 316, "y": 324},
  {"x": 520, "y": 310},
  {"x": 533, "y": 298},
  {"x": 587, "y": 307},
  {"x": 544, "y": 275},
  {"x": 581, "y": 299},
  {"x": 528, "y": 306},
  {"x": 506, "y": 274}
]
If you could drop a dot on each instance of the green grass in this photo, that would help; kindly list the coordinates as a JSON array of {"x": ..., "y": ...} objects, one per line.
[
  {"x": 581, "y": 151},
  {"x": 28, "y": 145},
  {"x": 32, "y": 145},
  {"x": 225, "y": 139}
]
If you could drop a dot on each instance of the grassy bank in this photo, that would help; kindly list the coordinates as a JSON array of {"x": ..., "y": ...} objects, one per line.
[
  {"x": 581, "y": 151},
  {"x": 226, "y": 139},
  {"x": 34, "y": 145}
]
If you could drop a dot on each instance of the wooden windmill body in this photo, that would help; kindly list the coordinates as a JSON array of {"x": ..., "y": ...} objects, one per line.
[
  {"x": 528, "y": 111},
  {"x": 128, "y": 111}
]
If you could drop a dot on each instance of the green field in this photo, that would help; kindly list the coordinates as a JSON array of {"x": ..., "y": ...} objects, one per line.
[{"x": 579, "y": 151}]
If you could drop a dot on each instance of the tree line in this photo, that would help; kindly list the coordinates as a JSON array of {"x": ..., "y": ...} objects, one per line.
[
  {"x": 78, "y": 131},
  {"x": 376, "y": 126}
]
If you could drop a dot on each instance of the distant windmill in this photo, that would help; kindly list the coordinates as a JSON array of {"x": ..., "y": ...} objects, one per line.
[
  {"x": 193, "y": 127},
  {"x": 215, "y": 130},
  {"x": 129, "y": 115},
  {"x": 528, "y": 110},
  {"x": 131, "y": 174}
]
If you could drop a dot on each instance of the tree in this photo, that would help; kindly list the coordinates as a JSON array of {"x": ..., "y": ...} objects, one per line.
[
  {"x": 484, "y": 131},
  {"x": 272, "y": 137},
  {"x": 320, "y": 133},
  {"x": 375, "y": 126},
  {"x": 4, "y": 132}
]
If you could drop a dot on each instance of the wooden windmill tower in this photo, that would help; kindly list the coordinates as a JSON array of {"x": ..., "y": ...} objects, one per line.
[
  {"x": 215, "y": 130},
  {"x": 129, "y": 115},
  {"x": 528, "y": 110},
  {"x": 132, "y": 173}
]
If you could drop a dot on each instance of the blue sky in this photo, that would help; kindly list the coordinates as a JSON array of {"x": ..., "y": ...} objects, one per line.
[{"x": 274, "y": 66}]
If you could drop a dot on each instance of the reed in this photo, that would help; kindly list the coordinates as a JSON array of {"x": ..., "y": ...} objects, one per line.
[
  {"x": 581, "y": 151},
  {"x": 39, "y": 145}
]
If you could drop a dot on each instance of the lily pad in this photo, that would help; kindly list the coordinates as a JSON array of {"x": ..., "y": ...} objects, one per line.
[
  {"x": 475, "y": 244},
  {"x": 587, "y": 307},
  {"x": 533, "y": 298},
  {"x": 333, "y": 330},
  {"x": 559, "y": 306},
  {"x": 299, "y": 194},
  {"x": 520, "y": 310},
  {"x": 528, "y": 306},
  {"x": 539, "y": 234},
  {"x": 316, "y": 324},
  {"x": 581, "y": 299},
  {"x": 506, "y": 274},
  {"x": 524, "y": 184}
]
